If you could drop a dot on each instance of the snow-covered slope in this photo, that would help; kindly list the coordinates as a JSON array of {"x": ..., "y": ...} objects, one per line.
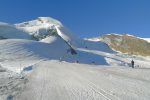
[
  {"x": 52, "y": 80},
  {"x": 46, "y": 47},
  {"x": 42, "y": 27},
  {"x": 58, "y": 43},
  {"x": 10, "y": 31},
  {"x": 39, "y": 26},
  {"x": 17, "y": 54},
  {"x": 37, "y": 29}
]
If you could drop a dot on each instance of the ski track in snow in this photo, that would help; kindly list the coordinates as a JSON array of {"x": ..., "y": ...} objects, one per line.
[{"x": 52, "y": 80}]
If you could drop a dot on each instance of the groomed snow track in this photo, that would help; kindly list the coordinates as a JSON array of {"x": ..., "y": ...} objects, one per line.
[{"x": 52, "y": 80}]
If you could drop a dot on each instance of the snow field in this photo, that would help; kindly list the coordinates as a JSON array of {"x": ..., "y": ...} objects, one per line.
[{"x": 65, "y": 81}]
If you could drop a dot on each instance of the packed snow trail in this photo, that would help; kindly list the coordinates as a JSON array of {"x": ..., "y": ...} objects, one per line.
[{"x": 53, "y": 80}]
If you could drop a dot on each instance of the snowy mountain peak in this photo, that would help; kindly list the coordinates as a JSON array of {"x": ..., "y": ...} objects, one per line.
[
  {"x": 40, "y": 21},
  {"x": 39, "y": 27},
  {"x": 49, "y": 20}
]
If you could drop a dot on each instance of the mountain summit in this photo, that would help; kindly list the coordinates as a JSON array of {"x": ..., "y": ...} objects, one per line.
[
  {"x": 40, "y": 21},
  {"x": 47, "y": 38}
]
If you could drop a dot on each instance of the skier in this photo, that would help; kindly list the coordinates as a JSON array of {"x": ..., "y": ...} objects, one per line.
[
  {"x": 60, "y": 59},
  {"x": 77, "y": 61},
  {"x": 132, "y": 63}
]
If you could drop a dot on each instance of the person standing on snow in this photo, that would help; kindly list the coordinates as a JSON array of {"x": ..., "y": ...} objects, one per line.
[{"x": 132, "y": 63}]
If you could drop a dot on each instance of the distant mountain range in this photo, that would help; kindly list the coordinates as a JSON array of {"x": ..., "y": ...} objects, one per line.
[{"x": 126, "y": 44}]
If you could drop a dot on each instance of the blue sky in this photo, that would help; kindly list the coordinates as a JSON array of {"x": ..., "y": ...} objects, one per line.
[{"x": 86, "y": 18}]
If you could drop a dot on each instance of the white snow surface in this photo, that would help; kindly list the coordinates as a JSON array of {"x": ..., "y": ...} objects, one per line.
[
  {"x": 52, "y": 80},
  {"x": 45, "y": 70},
  {"x": 10, "y": 31},
  {"x": 147, "y": 39},
  {"x": 17, "y": 54},
  {"x": 38, "y": 26}
]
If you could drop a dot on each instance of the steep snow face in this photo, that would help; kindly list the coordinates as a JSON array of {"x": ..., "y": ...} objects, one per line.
[
  {"x": 42, "y": 30},
  {"x": 10, "y": 31},
  {"x": 15, "y": 54},
  {"x": 44, "y": 27},
  {"x": 40, "y": 26},
  {"x": 68, "y": 36}
]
